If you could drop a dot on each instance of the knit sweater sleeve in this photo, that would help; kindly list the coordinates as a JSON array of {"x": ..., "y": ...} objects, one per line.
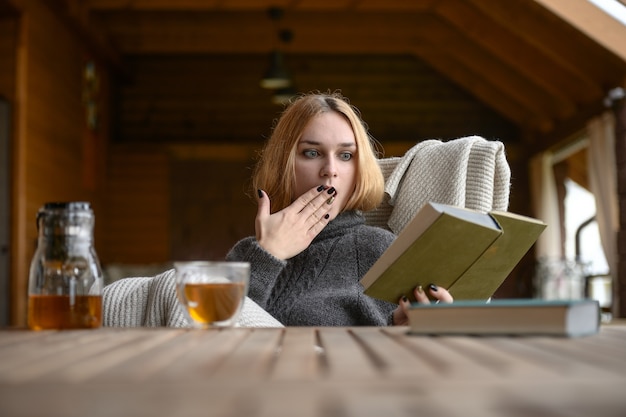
[
  {"x": 264, "y": 268},
  {"x": 378, "y": 241}
]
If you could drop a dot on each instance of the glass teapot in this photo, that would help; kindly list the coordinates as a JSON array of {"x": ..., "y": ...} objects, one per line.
[{"x": 65, "y": 283}]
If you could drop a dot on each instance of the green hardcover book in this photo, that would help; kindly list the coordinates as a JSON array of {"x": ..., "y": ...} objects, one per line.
[
  {"x": 459, "y": 249},
  {"x": 490, "y": 270}
]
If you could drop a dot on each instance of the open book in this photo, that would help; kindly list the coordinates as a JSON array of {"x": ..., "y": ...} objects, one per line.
[{"x": 468, "y": 252}]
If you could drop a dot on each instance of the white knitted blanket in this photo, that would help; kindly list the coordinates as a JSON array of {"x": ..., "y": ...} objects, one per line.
[
  {"x": 152, "y": 302},
  {"x": 468, "y": 172}
]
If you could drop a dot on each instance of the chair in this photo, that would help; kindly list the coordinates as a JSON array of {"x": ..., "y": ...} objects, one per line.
[{"x": 470, "y": 172}]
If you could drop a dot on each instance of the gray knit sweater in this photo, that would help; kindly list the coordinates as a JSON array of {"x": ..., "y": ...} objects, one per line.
[{"x": 320, "y": 286}]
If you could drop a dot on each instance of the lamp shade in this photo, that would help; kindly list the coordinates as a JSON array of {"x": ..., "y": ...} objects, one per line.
[
  {"x": 283, "y": 96},
  {"x": 277, "y": 75}
]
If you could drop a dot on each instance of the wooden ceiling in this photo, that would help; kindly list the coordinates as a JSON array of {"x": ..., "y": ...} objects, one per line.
[{"x": 530, "y": 68}]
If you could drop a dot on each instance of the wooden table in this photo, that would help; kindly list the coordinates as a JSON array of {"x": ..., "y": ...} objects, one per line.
[{"x": 300, "y": 372}]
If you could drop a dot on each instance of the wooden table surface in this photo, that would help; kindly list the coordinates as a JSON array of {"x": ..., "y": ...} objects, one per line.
[{"x": 302, "y": 372}]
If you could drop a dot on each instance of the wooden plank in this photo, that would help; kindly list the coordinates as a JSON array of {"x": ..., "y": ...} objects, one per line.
[
  {"x": 345, "y": 357},
  {"x": 207, "y": 351},
  {"x": 299, "y": 356},
  {"x": 554, "y": 38},
  {"x": 253, "y": 357},
  {"x": 153, "y": 363},
  {"x": 396, "y": 360},
  {"x": 252, "y": 32},
  {"x": 544, "y": 70},
  {"x": 505, "y": 77},
  {"x": 287, "y": 5},
  {"x": 447, "y": 362},
  {"x": 65, "y": 353},
  {"x": 481, "y": 85},
  {"x": 593, "y": 22}
]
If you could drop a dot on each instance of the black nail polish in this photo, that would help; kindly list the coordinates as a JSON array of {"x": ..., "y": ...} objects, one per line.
[
  {"x": 260, "y": 193},
  {"x": 320, "y": 188},
  {"x": 433, "y": 287},
  {"x": 331, "y": 190},
  {"x": 404, "y": 299},
  {"x": 326, "y": 216}
]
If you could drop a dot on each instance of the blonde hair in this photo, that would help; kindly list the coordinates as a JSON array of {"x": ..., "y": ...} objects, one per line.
[{"x": 275, "y": 171}]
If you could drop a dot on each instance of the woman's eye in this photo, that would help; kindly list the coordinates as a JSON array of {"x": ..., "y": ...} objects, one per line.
[
  {"x": 311, "y": 153},
  {"x": 345, "y": 156}
]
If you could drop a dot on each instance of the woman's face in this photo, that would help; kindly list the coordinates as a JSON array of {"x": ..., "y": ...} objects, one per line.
[{"x": 327, "y": 155}]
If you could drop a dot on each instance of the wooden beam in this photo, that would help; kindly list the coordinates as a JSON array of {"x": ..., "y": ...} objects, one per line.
[
  {"x": 256, "y": 5},
  {"x": 75, "y": 16},
  {"x": 252, "y": 32},
  {"x": 479, "y": 84},
  {"x": 541, "y": 142},
  {"x": 504, "y": 78},
  {"x": 605, "y": 30},
  {"x": 557, "y": 40},
  {"x": 501, "y": 36}
]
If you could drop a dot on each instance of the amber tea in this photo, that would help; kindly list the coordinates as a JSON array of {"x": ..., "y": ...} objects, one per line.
[
  {"x": 62, "y": 312},
  {"x": 208, "y": 303},
  {"x": 212, "y": 293}
]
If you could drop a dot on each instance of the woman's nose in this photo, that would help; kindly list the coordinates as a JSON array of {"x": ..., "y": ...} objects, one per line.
[{"x": 329, "y": 169}]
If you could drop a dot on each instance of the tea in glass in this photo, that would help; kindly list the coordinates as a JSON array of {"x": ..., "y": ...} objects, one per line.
[{"x": 212, "y": 293}]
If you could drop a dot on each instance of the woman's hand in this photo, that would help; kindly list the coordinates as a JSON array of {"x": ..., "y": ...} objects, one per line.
[
  {"x": 288, "y": 232},
  {"x": 400, "y": 316}
]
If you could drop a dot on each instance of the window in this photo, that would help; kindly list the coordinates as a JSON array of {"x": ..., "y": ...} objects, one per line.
[{"x": 580, "y": 207}]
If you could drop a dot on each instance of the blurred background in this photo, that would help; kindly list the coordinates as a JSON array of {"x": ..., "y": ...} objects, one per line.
[{"x": 155, "y": 110}]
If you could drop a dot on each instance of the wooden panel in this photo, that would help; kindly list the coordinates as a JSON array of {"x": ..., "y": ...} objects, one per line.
[
  {"x": 553, "y": 38},
  {"x": 218, "y": 98},
  {"x": 561, "y": 83},
  {"x": 211, "y": 206},
  {"x": 49, "y": 134},
  {"x": 137, "y": 207},
  {"x": 593, "y": 22},
  {"x": 8, "y": 50},
  {"x": 253, "y": 32},
  {"x": 397, "y": 5}
]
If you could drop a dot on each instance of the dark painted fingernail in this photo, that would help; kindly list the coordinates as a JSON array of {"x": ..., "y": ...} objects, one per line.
[
  {"x": 433, "y": 287},
  {"x": 260, "y": 193},
  {"x": 326, "y": 216},
  {"x": 404, "y": 298},
  {"x": 320, "y": 188},
  {"x": 331, "y": 190}
]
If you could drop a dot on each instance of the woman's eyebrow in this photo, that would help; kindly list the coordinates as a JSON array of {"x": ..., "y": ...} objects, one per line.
[{"x": 316, "y": 143}]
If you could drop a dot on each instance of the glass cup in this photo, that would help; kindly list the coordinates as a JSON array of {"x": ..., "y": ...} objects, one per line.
[{"x": 212, "y": 293}]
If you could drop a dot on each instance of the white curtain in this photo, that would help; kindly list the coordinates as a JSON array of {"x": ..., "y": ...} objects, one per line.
[
  {"x": 603, "y": 183},
  {"x": 546, "y": 206}
]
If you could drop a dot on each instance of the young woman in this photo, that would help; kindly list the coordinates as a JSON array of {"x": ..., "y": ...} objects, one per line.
[{"x": 317, "y": 172}]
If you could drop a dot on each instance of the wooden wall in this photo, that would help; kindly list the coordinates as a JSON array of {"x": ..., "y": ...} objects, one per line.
[
  {"x": 55, "y": 157},
  {"x": 136, "y": 212},
  {"x": 192, "y": 98},
  {"x": 142, "y": 191},
  {"x": 8, "y": 46}
]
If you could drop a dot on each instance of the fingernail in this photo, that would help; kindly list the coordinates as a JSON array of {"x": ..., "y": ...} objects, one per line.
[
  {"x": 326, "y": 216},
  {"x": 320, "y": 188},
  {"x": 420, "y": 289},
  {"x": 260, "y": 193},
  {"x": 433, "y": 287},
  {"x": 330, "y": 200},
  {"x": 331, "y": 190},
  {"x": 404, "y": 299}
]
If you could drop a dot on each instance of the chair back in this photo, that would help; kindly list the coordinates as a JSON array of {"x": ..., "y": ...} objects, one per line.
[{"x": 469, "y": 172}]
